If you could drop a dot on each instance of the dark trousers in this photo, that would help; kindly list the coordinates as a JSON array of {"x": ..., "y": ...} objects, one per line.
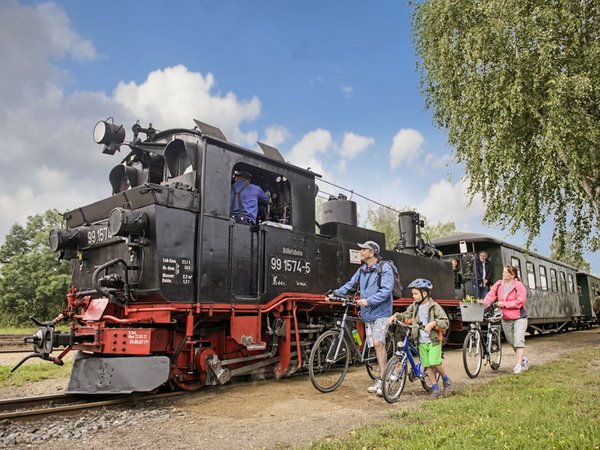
[{"x": 480, "y": 291}]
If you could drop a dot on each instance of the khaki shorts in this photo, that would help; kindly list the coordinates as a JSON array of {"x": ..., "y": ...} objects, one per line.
[
  {"x": 376, "y": 330},
  {"x": 514, "y": 330}
]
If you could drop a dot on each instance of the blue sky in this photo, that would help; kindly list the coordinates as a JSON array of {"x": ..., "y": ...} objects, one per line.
[{"x": 332, "y": 84}]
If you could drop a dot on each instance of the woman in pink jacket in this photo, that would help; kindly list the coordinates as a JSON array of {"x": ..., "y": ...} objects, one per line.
[{"x": 511, "y": 295}]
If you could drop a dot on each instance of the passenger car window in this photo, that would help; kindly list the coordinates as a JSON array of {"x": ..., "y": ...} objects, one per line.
[
  {"x": 530, "y": 274},
  {"x": 543, "y": 279},
  {"x": 571, "y": 286},
  {"x": 553, "y": 280},
  {"x": 514, "y": 261},
  {"x": 563, "y": 282}
]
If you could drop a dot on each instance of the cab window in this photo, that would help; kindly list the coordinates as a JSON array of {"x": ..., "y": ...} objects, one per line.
[{"x": 276, "y": 186}]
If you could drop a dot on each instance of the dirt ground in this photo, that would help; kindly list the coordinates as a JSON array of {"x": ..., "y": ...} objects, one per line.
[{"x": 290, "y": 412}]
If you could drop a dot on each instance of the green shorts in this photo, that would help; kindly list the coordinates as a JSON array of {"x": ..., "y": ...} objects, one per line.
[{"x": 430, "y": 355}]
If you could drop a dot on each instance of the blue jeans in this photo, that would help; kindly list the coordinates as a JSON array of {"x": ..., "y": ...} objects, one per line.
[{"x": 481, "y": 291}]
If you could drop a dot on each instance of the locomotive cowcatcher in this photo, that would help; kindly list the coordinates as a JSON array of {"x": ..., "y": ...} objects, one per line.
[{"x": 167, "y": 289}]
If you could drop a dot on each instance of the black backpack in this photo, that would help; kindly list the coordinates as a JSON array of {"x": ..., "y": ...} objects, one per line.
[{"x": 397, "y": 288}]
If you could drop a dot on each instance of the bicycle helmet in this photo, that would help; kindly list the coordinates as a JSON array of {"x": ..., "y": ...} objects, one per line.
[{"x": 421, "y": 283}]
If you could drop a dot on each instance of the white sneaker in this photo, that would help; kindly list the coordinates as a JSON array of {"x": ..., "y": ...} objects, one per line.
[
  {"x": 518, "y": 369},
  {"x": 376, "y": 388},
  {"x": 525, "y": 364}
]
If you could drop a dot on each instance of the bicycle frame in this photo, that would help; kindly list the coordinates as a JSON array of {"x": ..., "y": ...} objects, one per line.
[
  {"x": 411, "y": 351},
  {"x": 486, "y": 335},
  {"x": 343, "y": 327}
]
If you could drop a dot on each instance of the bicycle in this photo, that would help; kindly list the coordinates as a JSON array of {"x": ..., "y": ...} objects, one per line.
[
  {"x": 331, "y": 353},
  {"x": 402, "y": 365},
  {"x": 483, "y": 342}
]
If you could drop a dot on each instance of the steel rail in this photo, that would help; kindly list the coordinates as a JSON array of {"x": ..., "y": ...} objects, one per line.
[{"x": 66, "y": 408}]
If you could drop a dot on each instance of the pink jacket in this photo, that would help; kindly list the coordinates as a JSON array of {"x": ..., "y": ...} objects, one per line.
[{"x": 516, "y": 299}]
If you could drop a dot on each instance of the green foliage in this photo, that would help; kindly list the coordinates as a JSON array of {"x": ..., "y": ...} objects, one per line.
[
  {"x": 546, "y": 407},
  {"x": 32, "y": 280},
  {"x": 29, "y": 373},
  {"x": 441, "y": 229},
  {"x": 384, "y": 220},
  {"x": 568, "y": 250},
  {"x": 515, "y": 83}
]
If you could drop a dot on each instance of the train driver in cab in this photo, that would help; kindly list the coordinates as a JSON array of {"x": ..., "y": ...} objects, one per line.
[{"x": 245, "y": 197}]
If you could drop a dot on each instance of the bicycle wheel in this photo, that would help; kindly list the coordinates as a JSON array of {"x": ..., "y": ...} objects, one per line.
[
  {"x": 472, "y": 354},
  {"x": 426, "y": 382},
  {"x": 371, "y": 363},
  {"x": 496, "y": 349},
  {"x": 325, "y": 369},
  {"x": 394, "y": 377}
]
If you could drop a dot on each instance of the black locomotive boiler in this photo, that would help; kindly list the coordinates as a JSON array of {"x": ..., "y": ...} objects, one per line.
[{"x": 167, "y": 289}]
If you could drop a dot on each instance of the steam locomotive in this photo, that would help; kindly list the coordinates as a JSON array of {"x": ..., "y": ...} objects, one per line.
[{"x": 167, "y": 289}]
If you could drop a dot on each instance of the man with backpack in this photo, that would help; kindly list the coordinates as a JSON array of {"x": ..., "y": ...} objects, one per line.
[{"x": 375, "y": 280}]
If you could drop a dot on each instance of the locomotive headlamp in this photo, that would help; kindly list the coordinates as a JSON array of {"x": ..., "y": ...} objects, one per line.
[
  {"x": 62, "y": 239},
  {"x": 110, "y": 135},
  {"x": 123, "y": 222}
]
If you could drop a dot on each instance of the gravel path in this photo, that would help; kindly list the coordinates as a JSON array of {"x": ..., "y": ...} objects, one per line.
[{"x": 256, "y": 414}]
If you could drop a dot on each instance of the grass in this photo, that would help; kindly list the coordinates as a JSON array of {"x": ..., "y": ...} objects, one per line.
[
  {"x": 555, "y": 406},
  {"x": 29, "y": 330},
  {"x": 17, "y": 330},
  {"x": 31, "y": 372}
]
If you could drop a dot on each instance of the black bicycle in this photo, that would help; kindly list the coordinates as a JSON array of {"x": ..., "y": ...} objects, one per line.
[
  {"x": 483, "y": 342},
  {"x": 335, "y": 348}
]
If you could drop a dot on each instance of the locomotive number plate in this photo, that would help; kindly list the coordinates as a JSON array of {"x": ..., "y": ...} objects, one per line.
[
  {"x": 290, "y": 265},
  {"x": 98, "y": 235}
]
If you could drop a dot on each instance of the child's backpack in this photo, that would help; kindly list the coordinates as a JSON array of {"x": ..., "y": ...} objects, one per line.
[{"x": 397, "y": 288}]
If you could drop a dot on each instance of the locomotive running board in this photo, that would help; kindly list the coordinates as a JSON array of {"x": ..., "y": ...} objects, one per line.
[{"x": 117, "y": 375}]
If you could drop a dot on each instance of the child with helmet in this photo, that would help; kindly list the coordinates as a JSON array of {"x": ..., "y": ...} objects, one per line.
[{"x": 428, "y": 313}]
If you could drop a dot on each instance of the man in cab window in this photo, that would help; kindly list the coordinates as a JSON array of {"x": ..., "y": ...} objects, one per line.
[{"x": 245, "y": 197}]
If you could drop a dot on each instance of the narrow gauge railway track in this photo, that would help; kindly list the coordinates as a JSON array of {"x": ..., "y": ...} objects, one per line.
[
  {"x": 17, "y": 408},
  {"x": 13, "y": 341}
]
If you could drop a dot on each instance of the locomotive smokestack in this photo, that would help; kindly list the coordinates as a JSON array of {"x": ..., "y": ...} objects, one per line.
[{"x": 408, "y": 221}]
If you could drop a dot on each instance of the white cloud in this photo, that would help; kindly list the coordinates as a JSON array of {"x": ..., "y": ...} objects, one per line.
[
  {"x": 32, "y": 38},
  {"x": 49, "y": 158},
  {"x": 347, "y": 90},
  {"x": 304, "y": 152},
  {"x": 64, "y": 40},
  {"x": 276, "y": 135},
  {"x": 406, "y": 147},
  {"x": 438, "y": 161},
  {"x": 172, "y": 97},
  {"x": 312, "y": 143},
  {"x": 449, "y": 202},
  {"x": 354, "y": 144}
]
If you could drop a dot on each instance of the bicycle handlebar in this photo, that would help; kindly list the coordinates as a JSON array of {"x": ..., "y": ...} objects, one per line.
[{"x": 420, "y": 326}]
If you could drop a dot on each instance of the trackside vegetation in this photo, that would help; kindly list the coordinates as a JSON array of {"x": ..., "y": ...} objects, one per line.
[
  {"x": 555, "y": 406},
  {"x": 31, "y": 372}
]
